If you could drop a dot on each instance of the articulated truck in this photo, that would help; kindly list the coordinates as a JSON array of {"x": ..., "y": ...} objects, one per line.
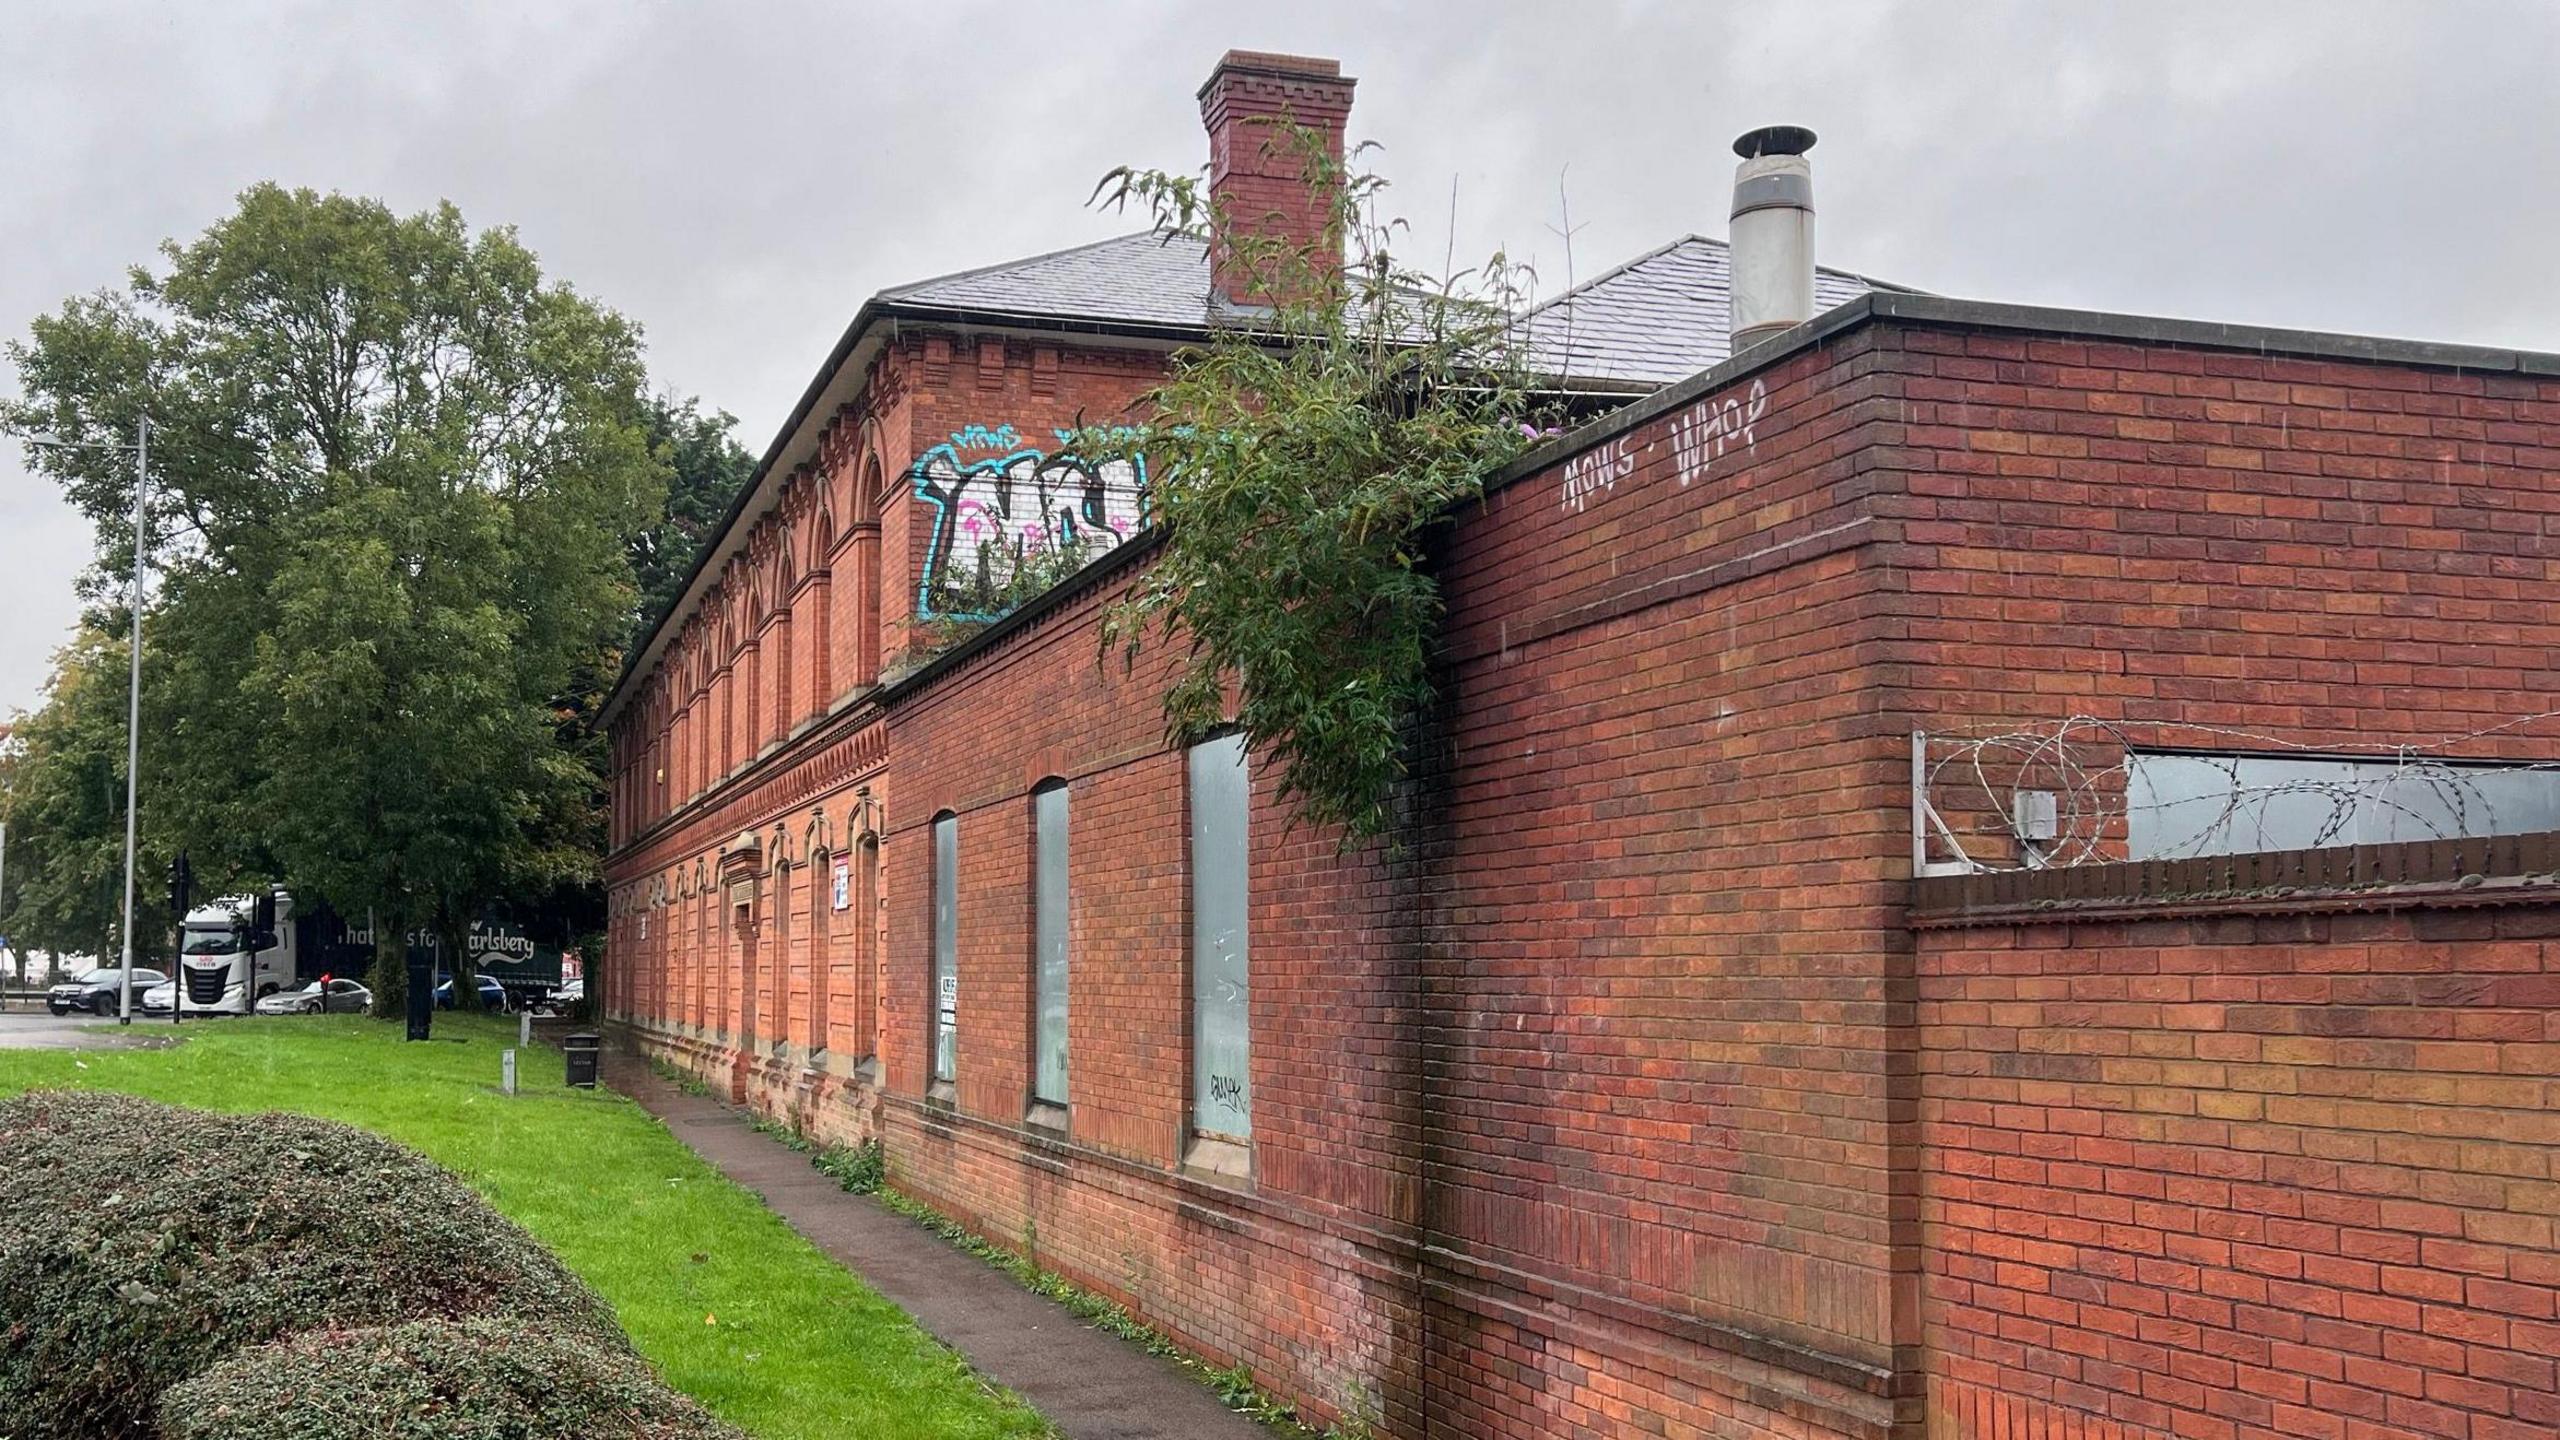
[{"x": 232, "y": 953}]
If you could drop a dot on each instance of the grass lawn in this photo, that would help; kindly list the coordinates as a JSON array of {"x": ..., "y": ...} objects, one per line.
[{"x": 734, "y": 1308}]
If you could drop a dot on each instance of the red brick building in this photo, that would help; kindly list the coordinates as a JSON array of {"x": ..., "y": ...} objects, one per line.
[{"x": 1666, "y": 1079}]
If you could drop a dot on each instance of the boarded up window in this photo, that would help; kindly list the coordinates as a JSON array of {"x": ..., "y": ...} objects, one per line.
[
  {"x": 1049, "y": 941},
  {"x": 1222, "y": 1049},
  {"x": 946, "y": 943}
]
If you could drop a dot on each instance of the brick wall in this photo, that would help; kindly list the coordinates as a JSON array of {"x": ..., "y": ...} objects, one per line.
[
  {"x": 2248, "y": 1177},
  {"x": 1543, "y": 1095},
  {"x": 2230, "y": 1178},
  {"x": 1622, "y": 1098}
]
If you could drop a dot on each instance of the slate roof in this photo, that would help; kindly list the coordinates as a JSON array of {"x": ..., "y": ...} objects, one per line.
[
  {"x": 1657, "y": 319},
  {"x": 1145, "y": 279}
]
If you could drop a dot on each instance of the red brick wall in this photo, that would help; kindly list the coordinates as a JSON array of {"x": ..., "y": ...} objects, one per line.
[
  {"x": 2237, "y": 1179},
  {"x": 1545, "y": 1094},
  {"x": 1622, "y": 1100},
  {"x": 2219, "y": 1179},
  {"x": 2159, "y": 537}
]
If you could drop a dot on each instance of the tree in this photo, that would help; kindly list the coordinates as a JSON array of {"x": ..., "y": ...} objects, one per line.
[
  {"x": 706, "y": 468},
  {"x": 398, "y": 474},
  {"x": 1296, "y": 459},
  {"x": 62, "y": 790}
]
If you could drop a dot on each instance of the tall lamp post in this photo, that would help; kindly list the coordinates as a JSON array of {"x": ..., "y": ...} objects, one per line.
[{"x": 141, "y": 448}]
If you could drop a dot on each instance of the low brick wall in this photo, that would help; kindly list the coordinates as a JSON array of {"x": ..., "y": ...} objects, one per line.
[{"x": 2239, "y": 1177}]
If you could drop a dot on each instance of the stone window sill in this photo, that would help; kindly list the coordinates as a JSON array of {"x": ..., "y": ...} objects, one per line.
[{"x": 1219, "y": 1161}]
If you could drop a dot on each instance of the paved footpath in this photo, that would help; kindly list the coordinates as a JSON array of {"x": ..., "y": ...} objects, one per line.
[{"x": 1092, "y": 1385}]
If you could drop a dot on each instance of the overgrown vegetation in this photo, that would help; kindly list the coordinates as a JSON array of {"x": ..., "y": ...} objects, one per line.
[
  {"x": 1296, "y": 460},
  {"x": 1036, "y": 571}
]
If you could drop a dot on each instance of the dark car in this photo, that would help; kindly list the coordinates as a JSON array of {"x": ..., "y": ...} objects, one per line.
[
  {"x": 97, "y": 990},
  {"x": 493, "y": 996},
  {"x": 320, "y": 997}
]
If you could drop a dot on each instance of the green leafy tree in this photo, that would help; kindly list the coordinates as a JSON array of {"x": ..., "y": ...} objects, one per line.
[
  {"x": 706, "y": 468},
  {"x": 397, "y": 478},
  {"x": 1297, "y": 458},
  {"x": 62, "y": 792}
]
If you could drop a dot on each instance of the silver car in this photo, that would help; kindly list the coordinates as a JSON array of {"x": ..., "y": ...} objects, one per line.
[{"x": 320, "y": 997}]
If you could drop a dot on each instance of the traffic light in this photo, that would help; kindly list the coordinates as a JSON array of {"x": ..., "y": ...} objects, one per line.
[{"x": 182, "y": 878}]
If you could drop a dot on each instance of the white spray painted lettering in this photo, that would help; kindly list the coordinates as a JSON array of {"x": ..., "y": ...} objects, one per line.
[
  {"x": 1701, "y": 434},
  {"x": 1596, "y": 470}
]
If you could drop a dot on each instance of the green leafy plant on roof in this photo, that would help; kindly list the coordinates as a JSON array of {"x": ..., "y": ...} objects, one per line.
[{"x": 1297, "y": 459}]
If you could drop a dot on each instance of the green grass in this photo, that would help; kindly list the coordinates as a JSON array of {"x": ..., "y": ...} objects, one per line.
[{"x": 733, "y": 1307}]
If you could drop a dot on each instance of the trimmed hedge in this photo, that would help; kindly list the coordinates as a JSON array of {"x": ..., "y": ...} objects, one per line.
[
  {"x": 141, "y": 1244},
  {"x": 434, "y": 1380}
]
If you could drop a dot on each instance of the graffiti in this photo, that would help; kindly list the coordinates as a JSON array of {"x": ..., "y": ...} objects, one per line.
[
  {"x": 1701, "y": 434},
  {"x": 1594, "y": 471},
  {"x": 979, "y": 437},
  {"x": 995, "y": 510},
  {"x": 1228, "y": 1091}
]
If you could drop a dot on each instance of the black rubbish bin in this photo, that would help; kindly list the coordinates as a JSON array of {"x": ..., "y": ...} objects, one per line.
[
  {"x": 582, "y": 1051},
  {"x": 422, "y": 997}
]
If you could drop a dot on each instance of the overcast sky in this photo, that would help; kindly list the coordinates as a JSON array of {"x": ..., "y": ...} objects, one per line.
[{"x": 738, "y": 177}]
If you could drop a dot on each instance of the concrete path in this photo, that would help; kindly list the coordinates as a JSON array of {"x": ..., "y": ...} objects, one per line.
[{"x": 1092, "y": 1385}]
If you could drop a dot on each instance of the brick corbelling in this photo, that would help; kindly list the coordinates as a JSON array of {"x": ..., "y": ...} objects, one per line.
[{"x": 821, "y": 761}]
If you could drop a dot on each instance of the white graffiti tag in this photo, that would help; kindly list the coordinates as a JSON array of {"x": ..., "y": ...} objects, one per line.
[
  {"x": 1594, "y": 471},
  {"x": 1701, "y": 434}
]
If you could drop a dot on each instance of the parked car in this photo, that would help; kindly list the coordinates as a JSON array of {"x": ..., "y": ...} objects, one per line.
[
  {"x": 96, "y": 991},
  {"x": 320, "y": 997},
  {"x": 493, "y": 996}
]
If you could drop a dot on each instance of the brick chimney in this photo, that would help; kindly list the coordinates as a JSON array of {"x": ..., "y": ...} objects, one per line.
[{"x": 1258, "y": 182}]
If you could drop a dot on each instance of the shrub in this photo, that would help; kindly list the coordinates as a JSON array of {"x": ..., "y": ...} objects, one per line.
[
  {"x": 142, "y": 1243},
  {"x": 433, "y": 1380}
]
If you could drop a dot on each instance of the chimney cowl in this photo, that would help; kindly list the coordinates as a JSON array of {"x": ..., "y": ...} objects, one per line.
[
  {"x": 1770, "y": 249},
  {"x": 1773, "y": 140}
]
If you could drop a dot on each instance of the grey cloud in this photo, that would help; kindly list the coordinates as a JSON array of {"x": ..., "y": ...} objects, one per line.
[{"x": 738, "y": 177}]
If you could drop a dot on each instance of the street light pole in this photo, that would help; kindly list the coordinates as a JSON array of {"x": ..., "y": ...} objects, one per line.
[
  {"x": 133, "y": 707},
  {"x": 141, "y": 448}
]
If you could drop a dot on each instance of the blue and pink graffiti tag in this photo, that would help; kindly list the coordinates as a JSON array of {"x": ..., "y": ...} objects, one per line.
[{"x": 993, "y": 510}]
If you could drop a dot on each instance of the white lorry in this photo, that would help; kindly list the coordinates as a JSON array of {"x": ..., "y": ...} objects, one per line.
[{"x": 232, "y": 953}]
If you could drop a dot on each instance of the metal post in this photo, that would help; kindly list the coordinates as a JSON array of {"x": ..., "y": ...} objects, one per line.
[{"x": 133, "y": 712}]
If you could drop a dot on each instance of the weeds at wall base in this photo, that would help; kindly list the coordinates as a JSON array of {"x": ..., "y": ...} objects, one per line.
[
  {"x": 863, "y": 1170},
  {"x": 684, "y": 1080}
]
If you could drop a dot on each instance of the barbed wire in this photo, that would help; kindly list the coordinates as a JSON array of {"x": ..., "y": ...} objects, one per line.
[{"x": 2098, "y": 773}]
